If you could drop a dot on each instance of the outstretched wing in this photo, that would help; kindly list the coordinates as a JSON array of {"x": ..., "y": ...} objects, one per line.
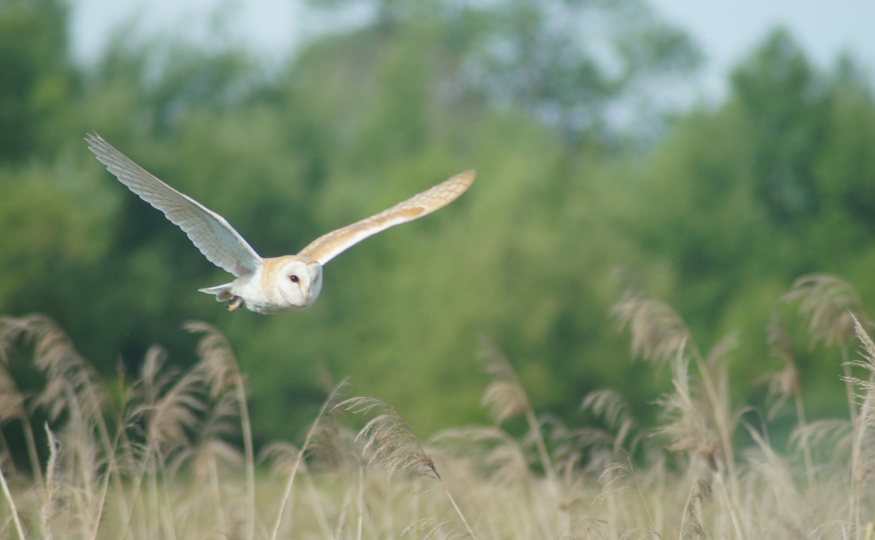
[
  {"x": 210, "y": 233},
  {"x": 328, "y": 246}
]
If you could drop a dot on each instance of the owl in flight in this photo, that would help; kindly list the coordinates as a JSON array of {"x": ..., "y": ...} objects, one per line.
[{"x": 272, "y": 285}]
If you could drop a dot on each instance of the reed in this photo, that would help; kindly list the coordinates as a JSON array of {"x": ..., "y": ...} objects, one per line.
[{"x": 161, "y": 462}]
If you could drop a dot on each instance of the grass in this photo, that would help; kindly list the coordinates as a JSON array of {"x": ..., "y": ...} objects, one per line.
[{"x": 154, "y": 458}]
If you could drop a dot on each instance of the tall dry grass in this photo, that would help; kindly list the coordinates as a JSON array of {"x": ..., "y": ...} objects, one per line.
[{"x": 168, "y": 454}]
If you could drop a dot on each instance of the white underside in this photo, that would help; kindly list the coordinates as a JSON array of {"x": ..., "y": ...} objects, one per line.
[{"x": 249, "y": 289}]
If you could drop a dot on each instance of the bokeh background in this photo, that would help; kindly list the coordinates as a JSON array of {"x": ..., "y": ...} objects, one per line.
[{"x": 705, "y": 154}]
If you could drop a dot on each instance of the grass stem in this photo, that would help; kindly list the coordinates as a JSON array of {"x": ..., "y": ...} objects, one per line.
[{"x": 12, "y": 508}]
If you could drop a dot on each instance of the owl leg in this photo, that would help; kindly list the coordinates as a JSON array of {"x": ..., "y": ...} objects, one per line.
[{"x": 235, "y": 304}]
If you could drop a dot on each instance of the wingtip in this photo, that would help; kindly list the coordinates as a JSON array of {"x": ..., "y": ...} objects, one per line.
[
  {"x": 457, "y": 184},
  {"x": 94, "y": 141},
  {"x": 468, "y": 175}
]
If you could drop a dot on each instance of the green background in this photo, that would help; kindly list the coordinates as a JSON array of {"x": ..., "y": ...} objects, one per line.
[{"x": 582, "y": 170}]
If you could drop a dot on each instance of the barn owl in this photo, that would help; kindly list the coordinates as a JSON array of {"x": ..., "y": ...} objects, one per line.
[{"x": 270, "y": 285}]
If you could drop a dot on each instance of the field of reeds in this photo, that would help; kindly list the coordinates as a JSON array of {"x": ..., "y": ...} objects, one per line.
[{"x": 168, "y": 454}]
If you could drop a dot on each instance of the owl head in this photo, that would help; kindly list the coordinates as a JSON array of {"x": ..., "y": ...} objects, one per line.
[{"x": 297, "y": 281}]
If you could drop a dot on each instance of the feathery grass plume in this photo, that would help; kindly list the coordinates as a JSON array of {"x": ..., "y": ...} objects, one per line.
[
  {"x": 82, "y": 463},
  {"x": 770, "y": 474},
  {"x": 221, "y": 370},
  {"x": 286, "y": 459},
  {"x": 331, "y": 445},
  {"x": 389, "y": 441},
  {"x": 568, "y": 451},
  {"x": 392, "y": 444},
  {"x": 11, "y": 400},
  {"x": 829, "y": 305},
  {"x": 658, "y": 332},
  {"x": 171, "y": 403},
  {"x": 496, "y": 470},
  {"x": 52, "y": 488},
  {"x": 719, "y": 351},
  {"x": 331, "y": 404},
  {"x": 205, "y": 458},
  {"x": 282, "y": 457},
  {"x": 209, "y": 448},
  {"x": 12, "y": 408},
  {"x": 329, "y": 442},
  {"x": 786, "y": 383},
  {"x": 11, "y": 330},
  {"x": 691, "y": 525},
  {"x": 617, "y": 479},
  {"x": 216, "y": 357},
  {"x": 491, "y": 450},
  {"x": 56, "y": 356},
  {"x": 863, "y": 449},
  {"x": 684, "y": 424},
  {"x": 830, "y": 442},
  {"x": 590, "y": 449},
  {"x": 505, "y": 398},
  {"x": 73, "y": 385},
  {"x": 610, "y": 406}
]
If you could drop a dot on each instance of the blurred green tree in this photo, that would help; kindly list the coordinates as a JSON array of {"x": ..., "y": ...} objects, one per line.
[
  {"x": 773, "y": 184},
  {"x": 720, "y": 216},
  {"x": 37, "y": 80},
  {"x": 573, "y": 64}
]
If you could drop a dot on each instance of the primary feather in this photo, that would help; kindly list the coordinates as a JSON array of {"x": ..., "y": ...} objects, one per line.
[
  {"x": 330, "y": 245},
  {"x": 210, "y": 232},
  {"x": 272, "y": 285}
]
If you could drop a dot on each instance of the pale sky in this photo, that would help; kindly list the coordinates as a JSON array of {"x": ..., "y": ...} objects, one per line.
[{"x": 725, "y": 30}]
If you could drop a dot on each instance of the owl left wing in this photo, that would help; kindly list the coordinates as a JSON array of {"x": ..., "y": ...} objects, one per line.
[
  {"x": 208, "y": 231},
  {"x": 328, "y": 246}
]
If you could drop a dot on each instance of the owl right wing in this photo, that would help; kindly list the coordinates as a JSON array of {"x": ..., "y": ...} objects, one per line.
[
  {"x": 210, "y": 232},
  {"x": 330, "y": 245}
]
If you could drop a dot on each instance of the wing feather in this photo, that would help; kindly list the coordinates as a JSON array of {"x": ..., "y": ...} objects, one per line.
[
  {"x": 210, "y": 232},
  {"x": 328, "y": 246}
]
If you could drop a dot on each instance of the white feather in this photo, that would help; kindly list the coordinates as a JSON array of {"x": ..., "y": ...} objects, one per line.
[
  {"x": 210, "y": 232},
  {"x": 276, "y": 284}
]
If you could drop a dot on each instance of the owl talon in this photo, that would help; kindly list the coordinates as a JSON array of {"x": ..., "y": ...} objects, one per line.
[{"x": 235, "y": 304}]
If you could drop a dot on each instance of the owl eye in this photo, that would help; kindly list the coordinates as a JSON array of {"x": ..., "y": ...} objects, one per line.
[{"x": 294, "y": 278}]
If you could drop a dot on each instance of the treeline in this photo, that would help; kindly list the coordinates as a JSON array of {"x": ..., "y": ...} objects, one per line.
[{"x": 581, "y": 171}]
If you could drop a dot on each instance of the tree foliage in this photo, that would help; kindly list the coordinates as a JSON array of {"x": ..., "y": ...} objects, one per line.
[
  {"x": 37, "y": 80},
  {"x": 718, "y": 216}
]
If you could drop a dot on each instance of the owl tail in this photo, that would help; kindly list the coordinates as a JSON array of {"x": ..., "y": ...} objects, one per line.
[{"x": 222, "y": 292}]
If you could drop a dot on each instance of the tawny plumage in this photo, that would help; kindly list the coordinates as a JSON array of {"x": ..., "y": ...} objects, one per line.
[{"x": 270, "y": 285}]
